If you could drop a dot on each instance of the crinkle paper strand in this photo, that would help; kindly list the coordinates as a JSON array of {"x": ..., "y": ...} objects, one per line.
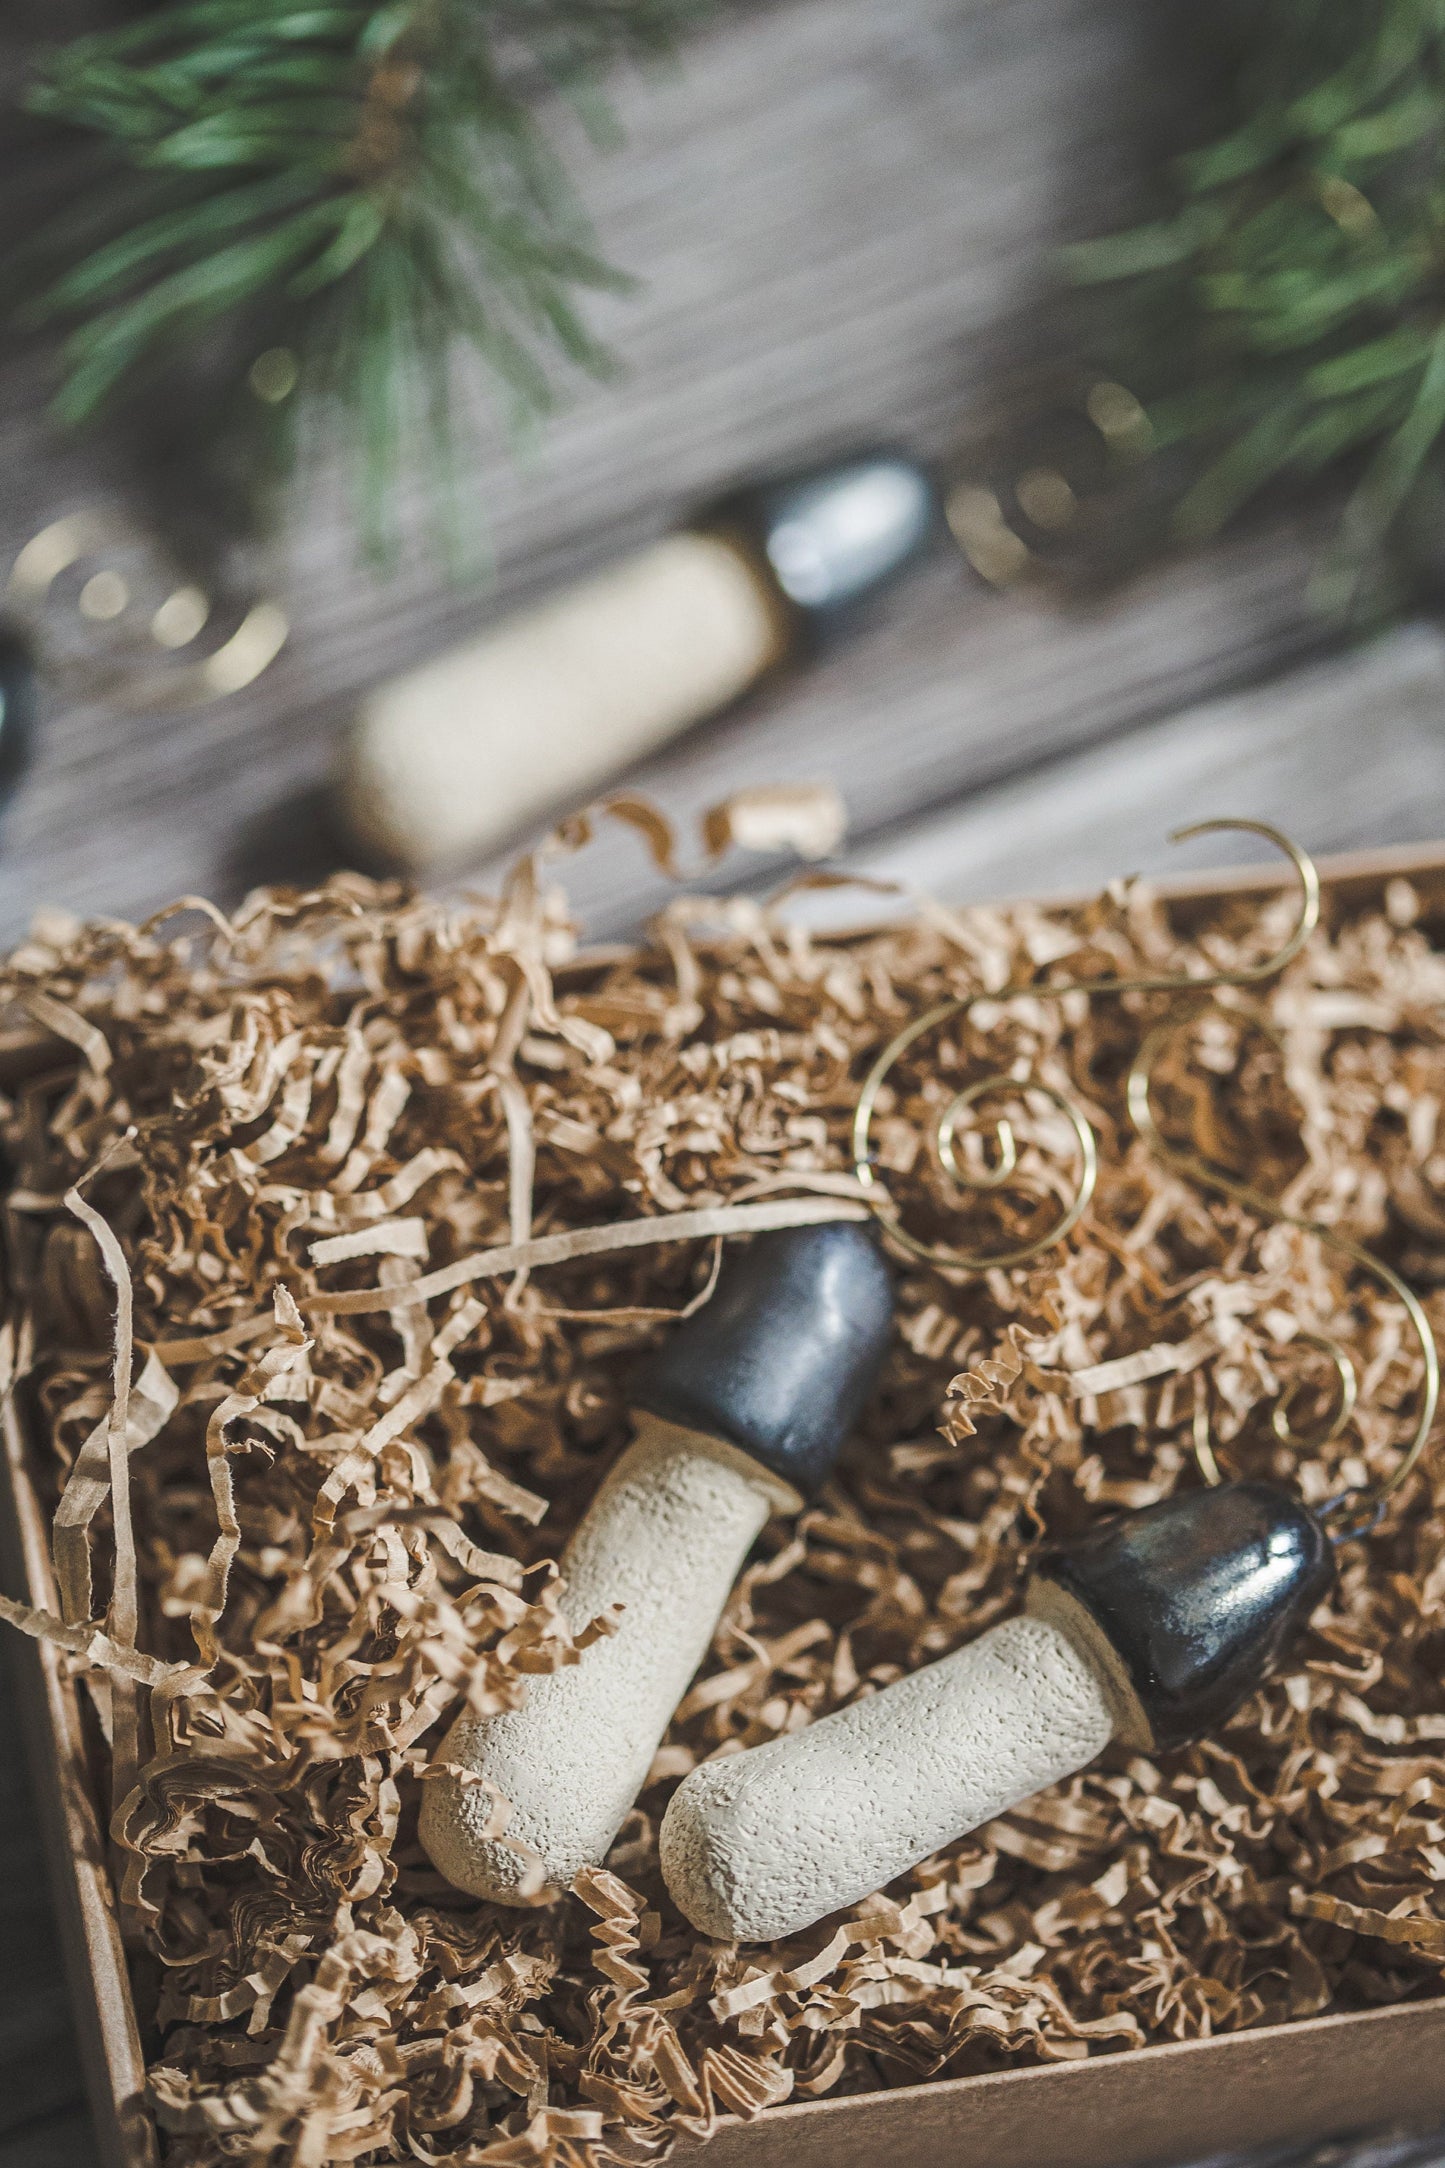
[{"x": 319, "y": 1386}]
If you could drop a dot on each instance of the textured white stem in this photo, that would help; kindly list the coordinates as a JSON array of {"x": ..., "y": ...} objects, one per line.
[
  {"x": 665, "y": 1536},
  {"x": 453, "y": 759},
  {"x": 761, "y": 1844}
]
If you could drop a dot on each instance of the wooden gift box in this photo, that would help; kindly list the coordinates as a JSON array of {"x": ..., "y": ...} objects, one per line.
[{"x": 1159, "y": 2105}]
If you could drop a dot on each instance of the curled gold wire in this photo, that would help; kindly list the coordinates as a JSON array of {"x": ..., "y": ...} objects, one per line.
[
  {"x": 229, "y": 668},
  {"x": 1347, "y": 1393},
  {"x": 1209, "y": 1467},
  {"x": 1008, "y": 1155},
  {"x": 1004, "y": 1144},
  {"x": 995, "y": 1177},
  {"x": 1358, "y": 1508}
]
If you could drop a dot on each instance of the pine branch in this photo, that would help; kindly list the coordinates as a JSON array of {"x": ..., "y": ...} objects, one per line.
[
  {"x": 1290, "y": 309},
  {"x": 359, "y": 182}
]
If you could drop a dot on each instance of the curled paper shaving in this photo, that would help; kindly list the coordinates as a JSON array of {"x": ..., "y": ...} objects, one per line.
[
  {"x": 124, "y": 1595},
  {"x": 59, "y": 1017},
  {"x": 400, "y": 1192},
  {"x": 809, "y": 818},
  {"x": 88, "y": 1641},
  {"x": 524, "y": 1256},
  {"x": 87, "y": 1487}
]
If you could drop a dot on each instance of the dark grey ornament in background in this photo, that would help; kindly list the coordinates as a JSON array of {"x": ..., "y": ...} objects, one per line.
[
  {"x": 17, "y": 710},
  {"x": 832, "y": 536}
]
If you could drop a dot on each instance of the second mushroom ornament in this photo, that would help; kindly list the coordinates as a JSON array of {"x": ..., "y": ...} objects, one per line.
[{"x": 1152, "y": 1629}]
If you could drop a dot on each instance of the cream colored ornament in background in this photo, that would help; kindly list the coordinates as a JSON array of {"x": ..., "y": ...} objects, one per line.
[{"x": 452, "y": 760}]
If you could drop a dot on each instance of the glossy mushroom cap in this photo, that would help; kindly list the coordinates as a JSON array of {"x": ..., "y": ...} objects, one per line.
[
  {"x": 1189, "y": 1603},
  {"x": 782, "y": 1359},
  {"x": 833, "y": 536}
]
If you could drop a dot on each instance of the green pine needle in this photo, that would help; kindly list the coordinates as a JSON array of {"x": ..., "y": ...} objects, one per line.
[
  {"x": 362, "y": 181},
  {"x": 1291, "y": 309}
]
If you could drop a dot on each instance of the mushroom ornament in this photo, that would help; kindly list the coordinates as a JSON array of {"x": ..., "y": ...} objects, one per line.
[
  {"x": 740, "y": 1417},
  {"x": 1151, "y": 1629}
]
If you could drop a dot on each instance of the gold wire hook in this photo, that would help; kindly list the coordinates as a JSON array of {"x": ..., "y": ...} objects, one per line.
[
  {"x": 1203, "y": 1444},
  {"x": 1008, "y": 1152},
  {"x": 995, "y": 1177},
  {"x": 1087, "y": 1154},
  {"x": 1347, "y": 1393},
  {"x": 1369, "y": 1502},
  {"x": 1347, "y": 1381}
]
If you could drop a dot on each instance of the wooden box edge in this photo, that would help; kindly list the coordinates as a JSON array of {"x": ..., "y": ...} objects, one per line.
[
  {"x": 112, "y": 2063},
  {"x": 1354, "y": 2071}
]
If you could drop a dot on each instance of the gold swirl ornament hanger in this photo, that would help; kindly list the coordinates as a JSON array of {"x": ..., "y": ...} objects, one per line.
[
  {"x": 115, "y": 618},
  {"x": 1354, "y": 1511}
]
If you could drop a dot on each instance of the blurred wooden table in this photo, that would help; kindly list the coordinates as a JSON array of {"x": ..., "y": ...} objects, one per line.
[{"x": 840, "y": 214}]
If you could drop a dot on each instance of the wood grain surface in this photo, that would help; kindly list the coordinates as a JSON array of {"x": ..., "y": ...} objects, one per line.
[
  {"x": 842, "y": 216},
  {"x": 839, "y": 215}
]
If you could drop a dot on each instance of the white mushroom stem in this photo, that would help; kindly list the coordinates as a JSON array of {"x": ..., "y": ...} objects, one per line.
[
  {"x": 761, "y": 1844},
  {"x": 453, "y": 759},
  {"x": 664, "y": 1536}
]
